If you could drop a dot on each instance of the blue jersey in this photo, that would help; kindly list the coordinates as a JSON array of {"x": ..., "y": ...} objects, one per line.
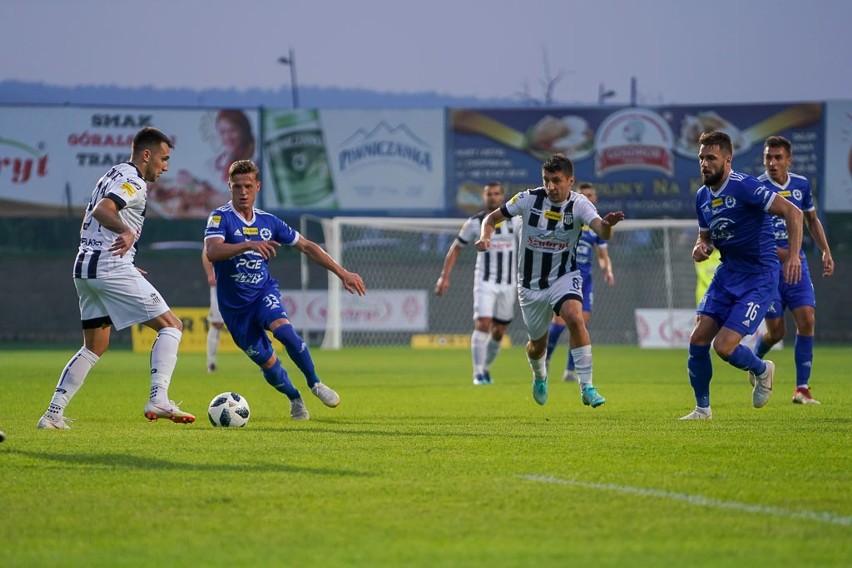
[
  {"x": 244, "y": 278},
  {"x": 738, "y": 222},
  {"x": 797, "y": 191},
  {"x": 586, "y": 251}
]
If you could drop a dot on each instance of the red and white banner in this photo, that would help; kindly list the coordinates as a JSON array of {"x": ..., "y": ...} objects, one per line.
[
  {"x": 658, "y": 328},
  {"x": 380, "y": 310}
]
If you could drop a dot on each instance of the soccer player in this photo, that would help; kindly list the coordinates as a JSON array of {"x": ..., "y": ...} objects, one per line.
[
  {"x": 239, "y": 241},
  {"x": 112, "y": 291},
  {"x": 589, "y": 243},
  {"x": 549, "y": 281},
  {"x": 215, "y": 323},
  {"x": 493, "y": 282},
  {"x": 799, "y": 297},
  {"x": 733, "y": 216}
]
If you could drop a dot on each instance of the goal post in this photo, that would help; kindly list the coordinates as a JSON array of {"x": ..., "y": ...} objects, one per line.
[{"x": 400, "y": 260}]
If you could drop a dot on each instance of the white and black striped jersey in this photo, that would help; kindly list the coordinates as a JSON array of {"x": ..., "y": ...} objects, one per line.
[
  {"x": 549, "y": 234},
  {"x": 124, "y": 185},
  {"x": 496, "y": 265}
]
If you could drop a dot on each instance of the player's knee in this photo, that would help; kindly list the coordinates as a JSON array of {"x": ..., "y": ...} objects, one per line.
[{"x": 723, "y": 349}]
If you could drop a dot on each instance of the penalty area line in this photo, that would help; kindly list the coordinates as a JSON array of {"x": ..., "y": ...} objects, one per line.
[{"x": 699, "y": 500}]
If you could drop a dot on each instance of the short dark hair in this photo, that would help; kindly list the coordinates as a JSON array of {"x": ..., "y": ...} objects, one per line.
[
  {"x": 717, "y": 138},
  {"x": 150, "y": 138},
  {"x": 558, "y": 163},
  {"x": 585, "y": 185},
  {"x": 244, "y": 167},
  {"x": 492, "y": 184},
  {"x": 779, "y": 142}
]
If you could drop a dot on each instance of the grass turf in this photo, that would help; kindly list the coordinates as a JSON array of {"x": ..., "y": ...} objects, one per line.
[{"x": 417, "y": 467}]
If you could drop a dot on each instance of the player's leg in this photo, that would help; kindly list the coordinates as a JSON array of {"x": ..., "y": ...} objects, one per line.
[
  {"x": 484, "y": 298},
  {"x": 214, "y": 330},
  {"x": 699, "y": 364},
  {"x": 504, "y": 312},
  {"x": 557, "y": 326},
  {"x": 774, "y": 321},
  {"x": 804, "y": 353},
  {"x": 164, "y": 353},
  {"x": 276, "y": 375},
  {"x": 537, "y": 312},
  {"x": 571, "y": 310},
  {"x": 570, "y": 374}
]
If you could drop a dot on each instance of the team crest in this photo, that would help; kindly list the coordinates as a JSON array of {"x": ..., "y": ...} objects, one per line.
[
  {"x": 265, "y": 234},
  {"x": 568, "y": 218}
]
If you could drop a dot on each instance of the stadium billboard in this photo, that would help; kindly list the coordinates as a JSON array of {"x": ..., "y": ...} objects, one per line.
[{"x": 838, "y": 157}]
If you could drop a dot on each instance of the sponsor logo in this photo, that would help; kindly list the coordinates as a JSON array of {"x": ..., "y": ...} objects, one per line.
[
  {"x": 214, "y": 221},
  {"x": 385, "y": 143},
  {"x": 720, "y": 229},
  {"x": 716, "y": 202},
  {"x": 554, "y": 215},
  {"x": 129, "y": 189},
  {"x": 784, "y": 193},
  {"x": 250, "y": 230},
  {"x": 634, "y": 138},
  {"x": 542, "y": 244},
  {"x": 237, "y": 233},
  {"x": 19, "y": 167}
]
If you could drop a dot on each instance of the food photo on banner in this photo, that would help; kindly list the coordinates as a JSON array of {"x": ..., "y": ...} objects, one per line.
[
  {"x": 643, "y": 161},
  {"x": 53, "y": 156}
]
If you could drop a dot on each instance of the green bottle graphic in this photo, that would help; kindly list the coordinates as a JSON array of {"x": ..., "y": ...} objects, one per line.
[{"x": 295, "y": 151}]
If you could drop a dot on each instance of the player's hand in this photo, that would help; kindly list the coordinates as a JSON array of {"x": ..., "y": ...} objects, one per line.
[
  {"x": 827, "y": 264},
  {"x": 266, "y": 249},
  {"x": 609, "y": 278},
  {"x": 123, "y": 242},
  {"x": 483, "y": 245},
  {"x": 442, "y": 285},
  {"x": 613, "y": 218},
  {"x": 792, "y": 268},
  {"x": 353, "y": 283},
  {"x": 701, "y": 252}
]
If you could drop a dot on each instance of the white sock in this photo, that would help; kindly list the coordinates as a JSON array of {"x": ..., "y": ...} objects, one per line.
[
  {"x": 583, "y": 364},
  {"x": 163, "y": 360},
  {"x": 212, "y": 344},
  {"x": 492, "y": 348},
  {"x": 71, "y": 380},
  {"x": 539, "y": 367},
  {"x": 477, "y": 350}
]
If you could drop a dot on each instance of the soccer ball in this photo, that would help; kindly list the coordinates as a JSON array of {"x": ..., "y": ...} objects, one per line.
[{"x": 228, "y": 409}]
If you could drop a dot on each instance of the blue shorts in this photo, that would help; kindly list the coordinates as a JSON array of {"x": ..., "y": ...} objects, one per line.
[
  {"x": 792, "y": 296},
  {"x": 739, "y": 300},
  {"x": 588, "y": 293},
  {"x": 248, "y": 327}
]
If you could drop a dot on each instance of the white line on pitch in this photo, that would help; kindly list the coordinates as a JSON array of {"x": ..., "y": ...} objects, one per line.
[{"x": 699, "y": 500}]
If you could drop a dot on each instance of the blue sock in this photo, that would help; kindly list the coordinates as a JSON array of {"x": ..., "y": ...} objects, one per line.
[
  {"x": 700, "y": 372},
  {"x": 298, "y": 352},
  {"x": 743, "y": 358},
  {"x": 761, "y": 348},
  {"x": 570, "y": 365},
  {"x": 556, "y": 330},
  {"x": 276, "y": 376},
  {"x": 804, "y": 356}
]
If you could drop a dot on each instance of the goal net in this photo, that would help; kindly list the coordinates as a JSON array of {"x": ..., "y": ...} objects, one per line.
[{"x": 400, "y": 260}]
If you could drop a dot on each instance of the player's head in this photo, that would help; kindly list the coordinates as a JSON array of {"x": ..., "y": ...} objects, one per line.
[
  {"x": 588, "y": 190},
  {"x": 243, "y": 184},
  {"x": 235, "y": 135},
  {"x": 150, "y": 151},
  {"x": 493, "y": 195},
  {"x": 777, "y": 157},
  {"x": 714, "y": 157},
  {"x": 557, "y": 174}
]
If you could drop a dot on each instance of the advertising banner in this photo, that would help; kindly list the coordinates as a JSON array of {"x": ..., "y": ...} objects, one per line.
[
  {"x": 388, "y": 160},
  {"x": 838, "y": 157},
  {"x": 643, "y": 161},
  {"x": 52, "y": 157},
  {"x": 660, "y": 328}
]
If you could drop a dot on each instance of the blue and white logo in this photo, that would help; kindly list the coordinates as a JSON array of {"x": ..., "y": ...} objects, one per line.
[{"x": 398, "y": 145}]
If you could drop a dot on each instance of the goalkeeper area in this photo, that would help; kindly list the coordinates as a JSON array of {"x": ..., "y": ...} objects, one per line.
[
  {"x": 418, "y": 467},
  {"x": 400, "y": 260}
]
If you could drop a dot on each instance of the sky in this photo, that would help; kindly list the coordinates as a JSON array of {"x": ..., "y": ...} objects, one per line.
[{"x": 679, "y": 51}]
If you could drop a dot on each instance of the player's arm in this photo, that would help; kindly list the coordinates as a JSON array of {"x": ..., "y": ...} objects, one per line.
[
  {"x": 605, "y": 264},
  {"x": 208, "y": 267},
  {"x": 218, "y": 250},
  {"x": 106, "y": 213},
  {"x": 602, "y": 226},
  {"x": 443, "y": 283},
  {"x": 815, "y": 228},
  {"x": 792, "y": 265},
  {"x": 703, "y": 247},
  {"x": 352, "y": 282},
  {"x": 487, "y": 229}
]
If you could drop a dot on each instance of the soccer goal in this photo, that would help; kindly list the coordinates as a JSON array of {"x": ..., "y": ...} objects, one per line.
[{"x": 400, "y": 260}]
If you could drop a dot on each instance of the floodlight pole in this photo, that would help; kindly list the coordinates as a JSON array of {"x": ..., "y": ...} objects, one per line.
[{"x": 290, "y": 61}]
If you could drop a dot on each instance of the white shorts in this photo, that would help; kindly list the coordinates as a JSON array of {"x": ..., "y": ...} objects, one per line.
[
  {"x": 496, "y": 301},
  {"x": 538, "y": 306},
  {"x": 215, "y": 316},
  {"x": 124, "y": 295}
]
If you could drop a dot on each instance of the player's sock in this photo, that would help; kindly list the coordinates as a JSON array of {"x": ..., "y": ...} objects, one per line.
[
  {"x": 569, "y": 365},
  {"x": 212, "y": 344},
  {"x": 492, "y": 348},
  {"x": 539, "y": 367},
  {"x": 761, "y": 348},
  {"x": 163, "y": 360},
  {"x": 743, "y": 358},
  {"x": 277, "y": 377},
  {"x": 556, "y": 330},
  {"x": 71, "y": 380},
  {"x": 298, "y": 352},
  {"x": 583, "y": 361},
  {"x": 803, "y": 354},
  {"x": 478, "y": 339},
  {"x": 700, "y": 369}
]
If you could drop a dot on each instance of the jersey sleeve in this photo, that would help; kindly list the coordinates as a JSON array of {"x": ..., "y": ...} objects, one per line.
[
  {"x": 519, "y": 203},
  {"x": 756, "y": 193},
  {"x": 586, "y": 211},
  {"x": 469, "y": 231},
  {"x": 285, "y": 234},
  {"x": 702, "y": 222},
  {"x": 807, "y": 197},
  {"x": 215, "y": 225},
  {"x": 126, "y": 191}
]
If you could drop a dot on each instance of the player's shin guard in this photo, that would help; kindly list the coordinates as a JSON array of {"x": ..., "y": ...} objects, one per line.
[
  {"x": 212, "y": 344},
  {"x": 803, "y": 354},
  {"x": 743, "y": 358},
  {"x": 556, "y": 330},
  {"x": 700, "y": 370},
  {"x": 71, "y": 380},
  {"x": 277, "y": 377},
  {"x": 583, "y": 360},
  {"x": 163, "y": 360},
  {"x": 297, "y": 350},
  {"x": 478, "y": 339},
  {"x": 492, "y": 348}
]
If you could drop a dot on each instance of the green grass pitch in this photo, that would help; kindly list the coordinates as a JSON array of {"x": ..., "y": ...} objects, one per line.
[{"x": 418, "y": 467}]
